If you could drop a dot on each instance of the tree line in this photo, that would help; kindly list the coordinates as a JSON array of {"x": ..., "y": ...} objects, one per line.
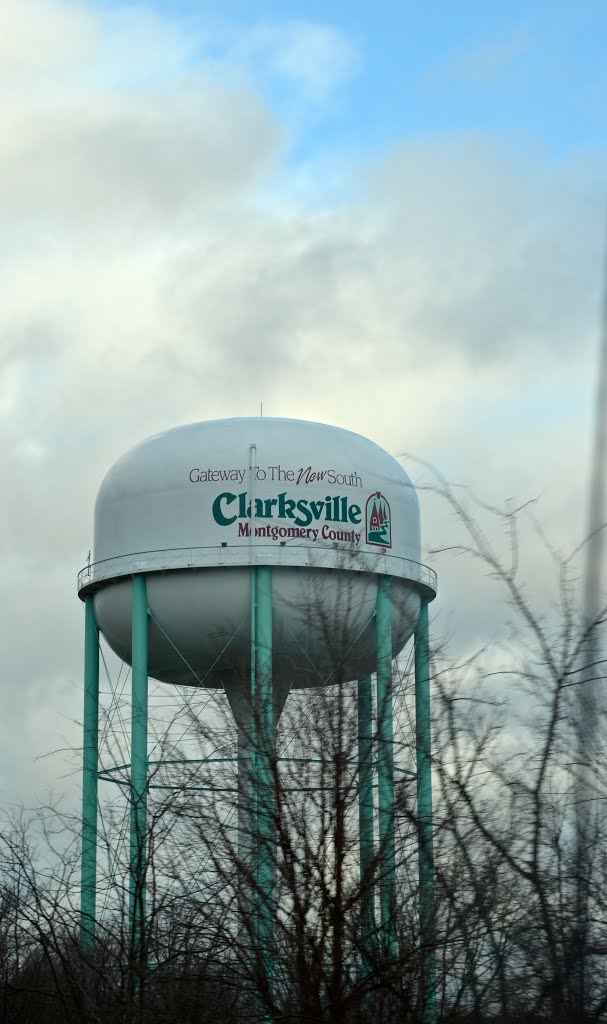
[{"x": 512, "y": 942}]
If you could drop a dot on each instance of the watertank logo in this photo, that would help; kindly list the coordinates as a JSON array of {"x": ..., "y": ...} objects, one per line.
[{"x": 378, "y": 521}]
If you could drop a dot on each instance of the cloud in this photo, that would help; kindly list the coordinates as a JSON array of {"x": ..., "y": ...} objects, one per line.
[
  {"x": 104, "y": 131},
  {"x": 146, "y": 158},
  {"x": 500, "y": 248},
  {"x": 488, "y": 63},
  {"x": 38, "y": 37},
  {"x": 315, "y": 58},
  {"x": 491, "y": 60},
  {"x": 146, "y": 283}
]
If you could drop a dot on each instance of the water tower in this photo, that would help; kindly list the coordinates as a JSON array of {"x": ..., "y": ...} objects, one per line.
[{"x": 221, "y": 550}]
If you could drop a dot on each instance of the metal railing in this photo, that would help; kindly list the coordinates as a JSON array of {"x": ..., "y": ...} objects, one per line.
[{"x": 329, "y": 556}]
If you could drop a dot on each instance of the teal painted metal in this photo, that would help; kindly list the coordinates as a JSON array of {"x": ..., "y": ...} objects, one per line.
[
  {"x": 263, "y": 734},
  {"x": 139, "y": 767},
  {"x": 264, "y": 716},
  {"x": 90, "y": 765},
  {"x": 423, "y": 741},
  {"x": 365, "y": 822},
  {"x": 385, "y": 767},
  {"x": 250, "y": 766}
]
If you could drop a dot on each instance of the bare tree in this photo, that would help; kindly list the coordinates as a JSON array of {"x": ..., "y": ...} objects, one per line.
[{"x": 217, "y": 947}]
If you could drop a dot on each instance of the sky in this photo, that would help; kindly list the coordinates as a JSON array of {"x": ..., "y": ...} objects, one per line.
[{"x": 386, "y": 218}]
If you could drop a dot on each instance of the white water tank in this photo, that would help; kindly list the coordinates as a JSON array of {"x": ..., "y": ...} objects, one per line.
[{"x": 194, "y": 508}]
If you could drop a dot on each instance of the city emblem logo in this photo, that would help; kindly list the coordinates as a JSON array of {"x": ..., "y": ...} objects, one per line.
[{"x": 378, "y": 521}]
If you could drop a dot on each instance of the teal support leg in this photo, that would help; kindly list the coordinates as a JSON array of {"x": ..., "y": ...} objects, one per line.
[
  {"x": 239, "y": 697},
  {"x": 423, "y": 738},
  {"x": 365, "y": 822},
  {"x": 90, "y": 764},
  {"x": 139, "y": 767},
  {"x": 263, "y": 714},
  {"x": 385, "y": 767}
]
